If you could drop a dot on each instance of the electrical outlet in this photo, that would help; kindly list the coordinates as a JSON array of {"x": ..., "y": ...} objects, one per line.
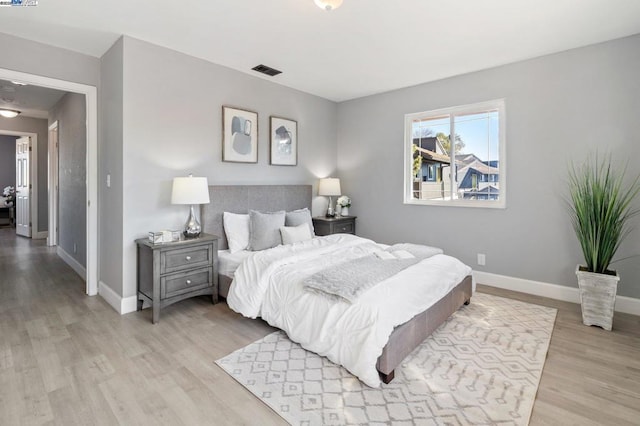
[
  {"x": 481, "y": 259},
  {"x": 109, "y": 180}
]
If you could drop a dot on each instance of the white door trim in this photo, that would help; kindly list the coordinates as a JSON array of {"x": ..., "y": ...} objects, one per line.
[
  {"x": 52, "y": 163},
  {"x": 91, "y": 98}
]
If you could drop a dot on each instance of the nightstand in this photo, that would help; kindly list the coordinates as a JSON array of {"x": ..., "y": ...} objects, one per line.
[
  {"x": 334, "y": 225},
  {"x": 171, "y": 272}
]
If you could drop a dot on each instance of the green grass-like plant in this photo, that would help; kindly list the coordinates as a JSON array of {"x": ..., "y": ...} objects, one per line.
[{"x": 600, "y": 208}]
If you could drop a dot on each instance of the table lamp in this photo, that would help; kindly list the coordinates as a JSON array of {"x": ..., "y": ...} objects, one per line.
[
  {"x": 329, "y": 187},
  {"x": 190, "y": 190}
]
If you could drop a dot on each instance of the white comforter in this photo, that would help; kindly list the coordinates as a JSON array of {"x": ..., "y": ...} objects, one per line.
[{"x": 269, "y": 284}]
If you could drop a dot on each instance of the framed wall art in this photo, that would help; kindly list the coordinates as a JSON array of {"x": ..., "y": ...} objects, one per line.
[
  {"x": 284, "y": 141},
  {"x": 239, "y": 135}
]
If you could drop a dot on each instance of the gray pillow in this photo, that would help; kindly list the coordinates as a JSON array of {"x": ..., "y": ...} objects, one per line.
[
  {"x": 264, "y": 229},
  {"x": 298, "y": 217}
]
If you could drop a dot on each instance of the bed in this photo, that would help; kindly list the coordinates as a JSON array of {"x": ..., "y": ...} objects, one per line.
[{"x": 402, "y": 339}]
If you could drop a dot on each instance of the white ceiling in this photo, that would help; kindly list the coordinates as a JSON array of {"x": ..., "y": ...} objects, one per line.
[
  {"x": 362, "y": 48},
  {"x": 31, "y": 101}
]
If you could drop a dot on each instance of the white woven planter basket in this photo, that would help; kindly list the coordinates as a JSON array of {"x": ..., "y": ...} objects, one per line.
[{"x": 597, "y": 297}]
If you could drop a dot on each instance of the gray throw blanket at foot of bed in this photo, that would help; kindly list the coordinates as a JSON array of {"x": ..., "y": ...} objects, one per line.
[{"x": 348, "y": 280}]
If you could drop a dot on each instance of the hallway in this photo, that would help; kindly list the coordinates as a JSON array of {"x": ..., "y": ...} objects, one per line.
[
  {"x": 32, "y": 276},
  {"x": 70, "y": 359}
]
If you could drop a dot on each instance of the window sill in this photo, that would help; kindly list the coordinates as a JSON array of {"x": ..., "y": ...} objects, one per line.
[{"x": 501, "y": 204}]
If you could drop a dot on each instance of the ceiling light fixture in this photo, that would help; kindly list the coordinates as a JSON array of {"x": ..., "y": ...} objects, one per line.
[
  {"x": 328, "y": 4},
  {"x": 9, "y": 113}
]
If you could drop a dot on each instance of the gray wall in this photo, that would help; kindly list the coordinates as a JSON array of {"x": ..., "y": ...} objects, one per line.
[
  {"x": 70, "y": 113},
  {"x": 110, "y": 162},
  {"x": 32, "y": 57},
  {"x": 7, "y": 161},
  {"x": 558, "y": 108},
  {"x": 38, "y": 126},
  {"x": 172, "y": 120}
]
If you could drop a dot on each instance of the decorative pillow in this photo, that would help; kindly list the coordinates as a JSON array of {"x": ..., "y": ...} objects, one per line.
[
  {"x": 417, "y": 250},
  {"x": 295, "y": 234},
  {"x": 298, "y": 217},
  {"x": 384, "y": 255},
  {"x": 264, "y": 229},
  {"x": 236, "y": 226},
  {"x": 402, "y": 254}
]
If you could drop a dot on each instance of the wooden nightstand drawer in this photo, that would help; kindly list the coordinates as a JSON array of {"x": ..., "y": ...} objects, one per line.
[
  {"x": 174, "y": 285},
  {"x": 186, "y": 258},
  {"x": 344, "y": 228}
]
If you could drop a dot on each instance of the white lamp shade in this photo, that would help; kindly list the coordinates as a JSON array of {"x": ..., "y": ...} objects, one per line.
[
  {"x": 329, "y": 187},
  {"x": 190, "y": 190}
]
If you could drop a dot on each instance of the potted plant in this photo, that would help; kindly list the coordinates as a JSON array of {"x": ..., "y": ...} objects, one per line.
[
  {"x": 600, "y": 208},
  {"x": 344, "y": 202}
]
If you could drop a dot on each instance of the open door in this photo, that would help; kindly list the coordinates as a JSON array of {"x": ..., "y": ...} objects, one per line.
[{"x": 23, "y": 186}]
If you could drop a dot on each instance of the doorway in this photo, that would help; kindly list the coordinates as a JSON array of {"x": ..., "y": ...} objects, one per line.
[
  {"x": 91, "y": 100},
  {"x": 25, "y": 204}
]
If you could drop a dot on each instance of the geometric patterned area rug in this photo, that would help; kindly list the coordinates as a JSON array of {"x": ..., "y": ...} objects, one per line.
[{"x": 481, "y": 367}]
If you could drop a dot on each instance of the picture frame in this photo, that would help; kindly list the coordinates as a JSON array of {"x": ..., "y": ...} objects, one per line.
[
  {"x": 283, "y": 141},
  {"x": 239, "y": 135}
]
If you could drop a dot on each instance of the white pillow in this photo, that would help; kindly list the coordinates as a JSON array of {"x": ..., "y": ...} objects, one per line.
[
  {"x": 236, "y": 226},
  {"x": 417, "y": 250},
  {"x": 402, "y": 254},
  {"x": 295, "y": 234}
]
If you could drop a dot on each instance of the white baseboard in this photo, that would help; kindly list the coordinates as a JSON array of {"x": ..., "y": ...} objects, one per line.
[
  {"x": 129, "y": 304},
  {"x": 628, "y": 305},
  {"x": 40, "y": 235},
  {"x": 75, "y": 265},
  {"x": 123, "y": 305}
]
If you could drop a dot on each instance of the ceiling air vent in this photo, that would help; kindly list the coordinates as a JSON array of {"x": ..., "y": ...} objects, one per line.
[{"x": 266, "y": 70}]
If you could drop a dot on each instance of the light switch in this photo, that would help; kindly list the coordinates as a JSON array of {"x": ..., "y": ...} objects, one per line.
[{"x": 108, "y": 180}]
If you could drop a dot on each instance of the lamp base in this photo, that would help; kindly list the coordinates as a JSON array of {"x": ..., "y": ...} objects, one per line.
[
  {"x": 330, "y": 211},
  {"x": 192, "y": 228}
]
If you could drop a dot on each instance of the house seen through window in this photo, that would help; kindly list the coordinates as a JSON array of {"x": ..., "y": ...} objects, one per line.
[{"x": 466, "y": 169}]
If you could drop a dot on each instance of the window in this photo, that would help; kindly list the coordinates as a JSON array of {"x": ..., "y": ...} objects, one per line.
[
  {"x": 432, "y": 171},
  {"x": 469, "y": 172}
]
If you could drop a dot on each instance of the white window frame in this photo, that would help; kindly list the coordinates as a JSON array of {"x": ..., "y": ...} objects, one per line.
[{"x": 496, "y": 104}]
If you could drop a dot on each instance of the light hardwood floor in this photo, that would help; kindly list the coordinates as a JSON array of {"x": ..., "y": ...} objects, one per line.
[{"x": 66, "y": 358}]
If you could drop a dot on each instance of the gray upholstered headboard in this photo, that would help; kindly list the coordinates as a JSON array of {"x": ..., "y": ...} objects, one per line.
[{"x": 242, "y": 198}]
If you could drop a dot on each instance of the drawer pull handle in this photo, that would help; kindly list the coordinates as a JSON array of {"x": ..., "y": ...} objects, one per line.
[
  {"x": 188, "y": 282},
  {"x": 188, "y": 258}
]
